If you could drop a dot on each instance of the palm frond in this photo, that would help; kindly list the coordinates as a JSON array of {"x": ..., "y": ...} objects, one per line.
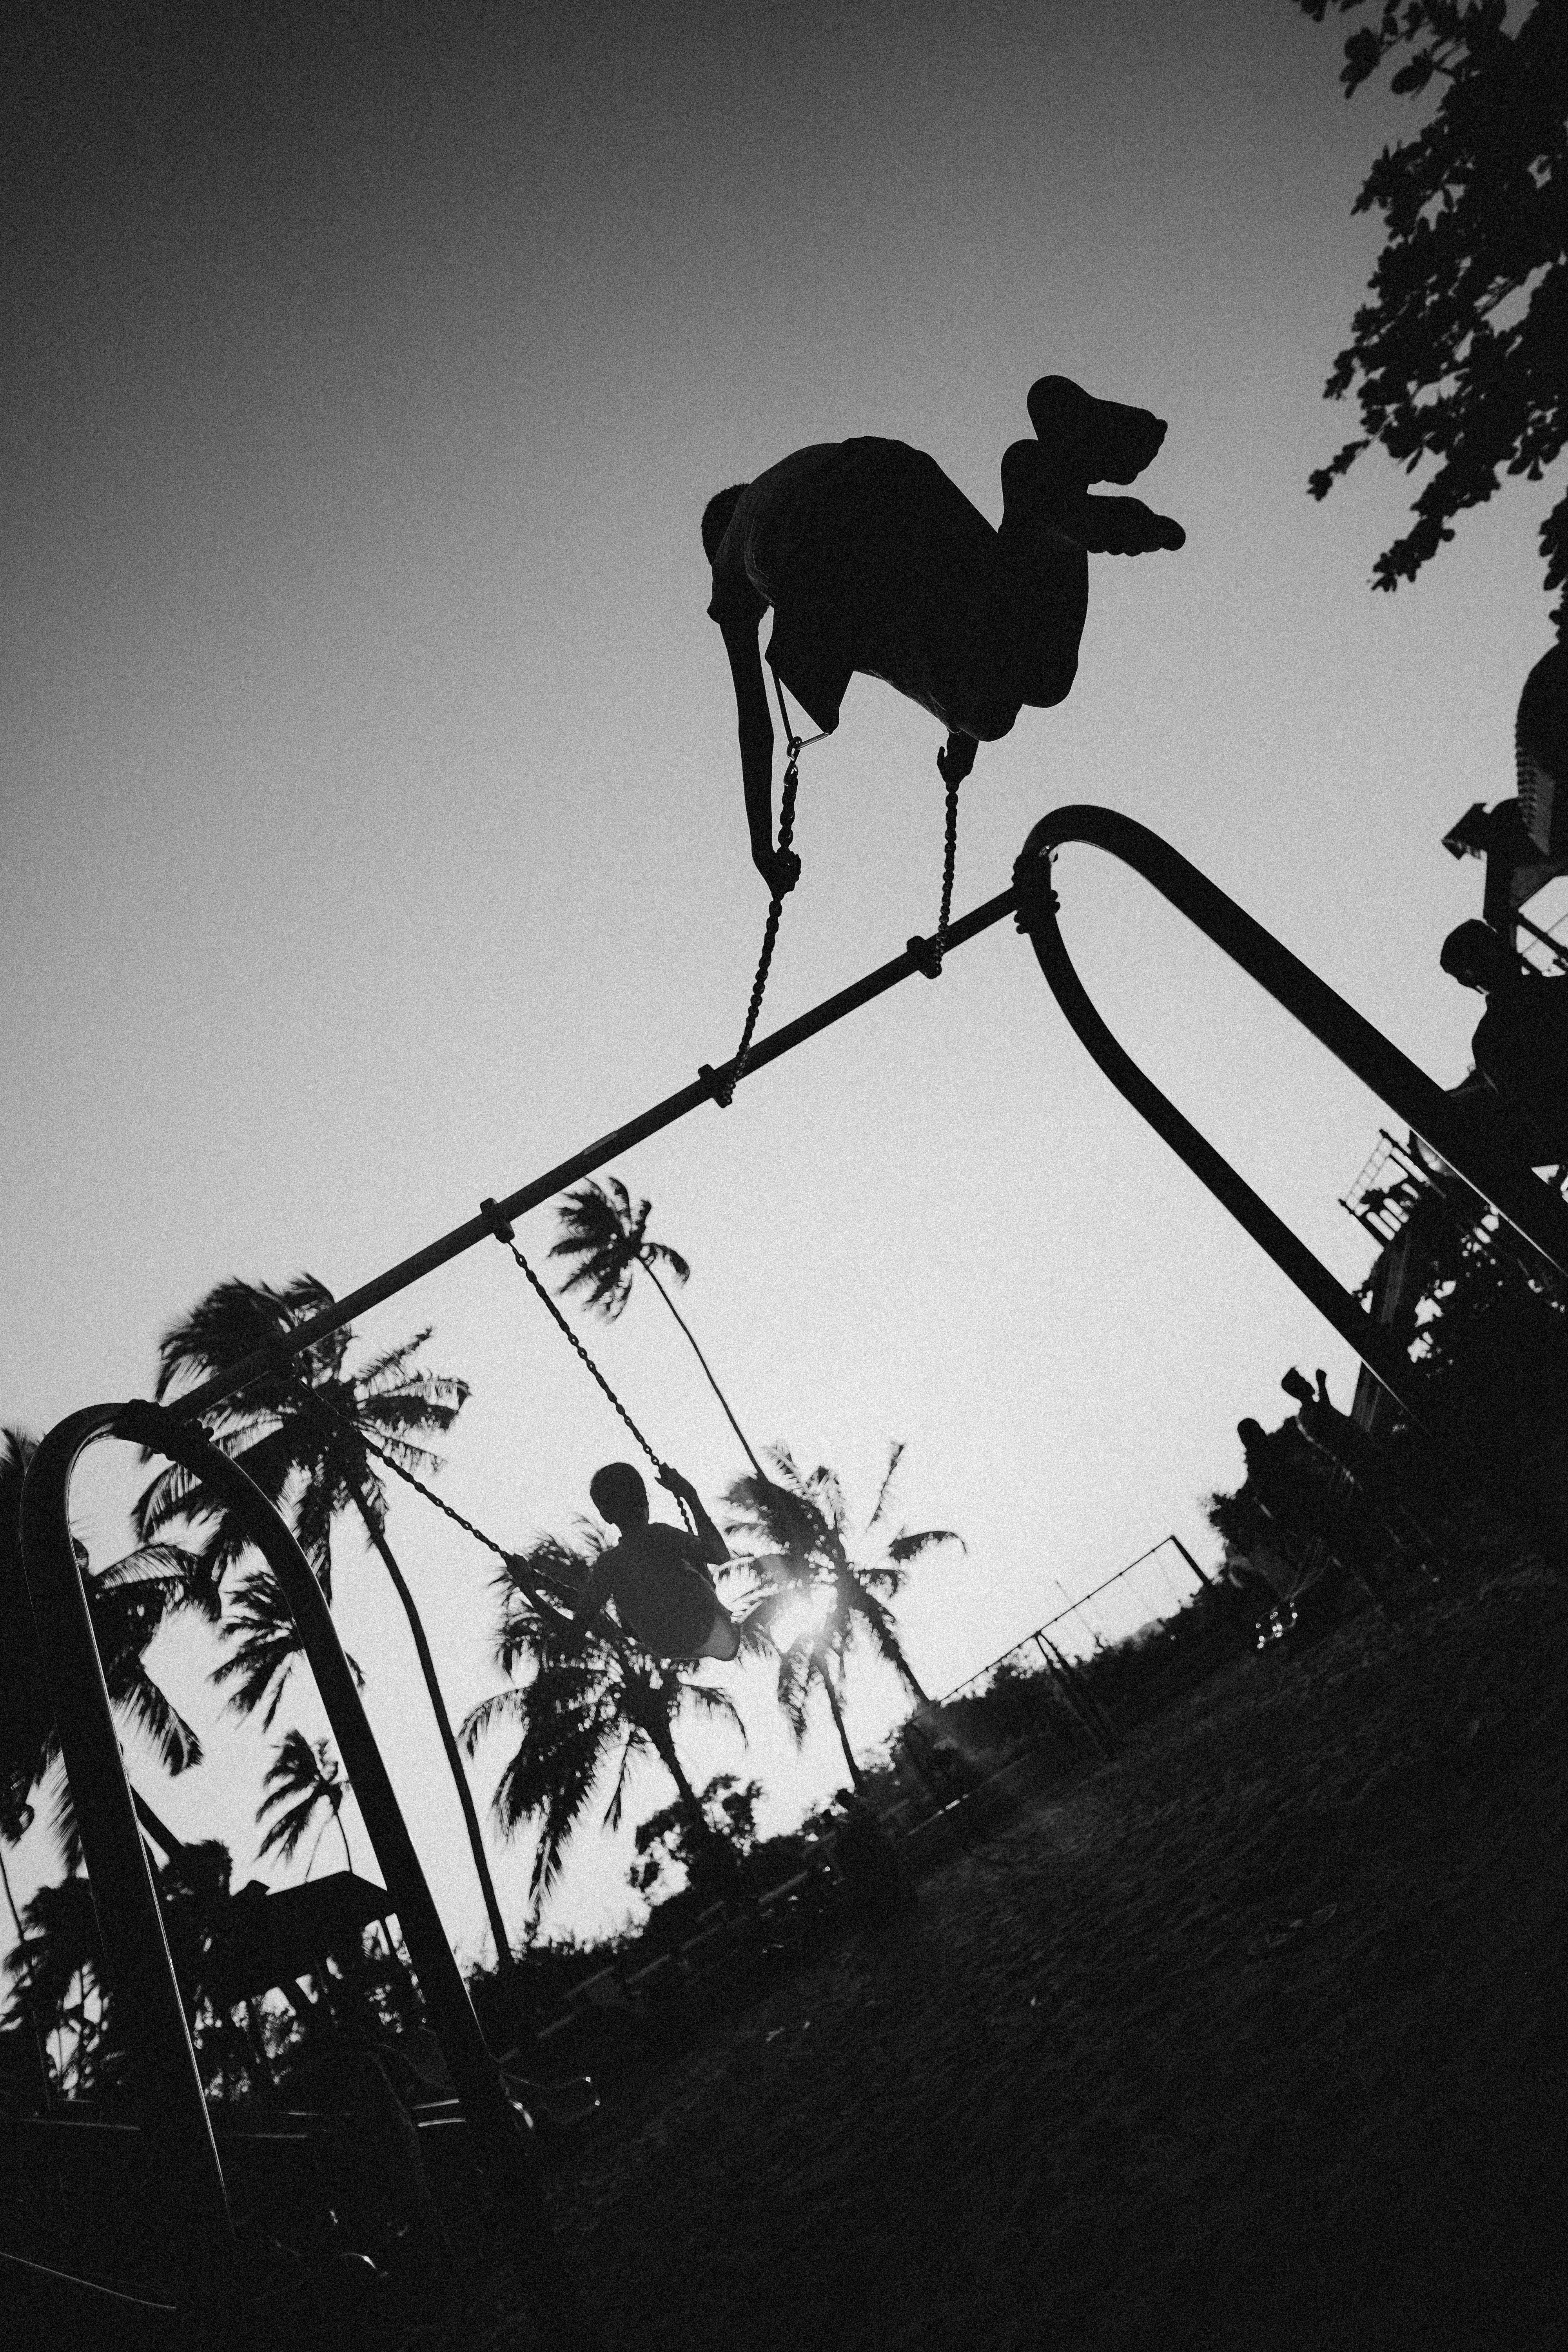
[
  {"x": 710, "y": 1700},
  {"x": 779, "y": 1515},
  {"x": 878, "y": 1625},
  {"x": 263, "y": 1646},
  {"x": 656, "y": 1254},
  {"x": 828, "y": 1496},
  {"x": 510, "y": 1705},
  {"x": 765, "y": 1611},
  {"x": 302, "y": 1778},
  {"x": 895, "y": 1455},
  {"x": 232, "y": 1321},
  {"x": 599, "y": 1229},
  {"x": 391, "y": 1368},
  {"x": 164, "y": 1499},
  {"x": 635, "y": 1740},
  {"x": 286, "y": 1833},
  {"x": 550, "y": 1776},
  {"x": 136, "y": 1696},
  {"x": 908, "y": 1544},
  {"x": 64, "y": 1826},
  {"x": 168, "y": 1567},
  {"x": 321, "y": 1501},
  {"x": 792, "y": 1689}
]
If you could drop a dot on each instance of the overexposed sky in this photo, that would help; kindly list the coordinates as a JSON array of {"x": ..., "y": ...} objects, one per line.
[{"x": 373, "y": 833}]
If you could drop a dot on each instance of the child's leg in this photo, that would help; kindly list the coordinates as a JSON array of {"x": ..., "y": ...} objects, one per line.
[
  {"x": 813, "y": 666},
  {"x": 723, "y": 1636}
]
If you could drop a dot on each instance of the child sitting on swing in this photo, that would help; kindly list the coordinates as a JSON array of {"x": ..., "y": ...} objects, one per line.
[
  {"x": 660, "y": 1577},
  {"x": 872, "y": 559}
]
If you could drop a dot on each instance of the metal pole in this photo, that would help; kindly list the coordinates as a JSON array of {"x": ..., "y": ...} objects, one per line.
[
  {"x": 1537, "y": 1211},
  {"x": 915, "y": 959},
  {"x": 1202, "y": 1574}
]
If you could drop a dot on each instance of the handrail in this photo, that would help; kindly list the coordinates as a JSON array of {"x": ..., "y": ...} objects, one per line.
[
  {"x": 150, "y": 2011},
  {"x": 708, "y": 1087},
  {"x": 1518, "y": 1195}
]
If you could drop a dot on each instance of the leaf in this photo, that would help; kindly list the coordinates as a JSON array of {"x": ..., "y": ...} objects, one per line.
[
  {"x": 1413, "y": 76},
  {"x": 909, "y": 1545}
]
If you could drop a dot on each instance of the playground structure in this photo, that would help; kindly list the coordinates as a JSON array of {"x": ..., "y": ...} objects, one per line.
[{"x": 214, "y": 2288}]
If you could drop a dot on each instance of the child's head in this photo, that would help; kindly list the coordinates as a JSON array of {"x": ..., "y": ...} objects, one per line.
[
  {"x": 1477, "y": 956},
  {"x": 618, "y": 1495}
]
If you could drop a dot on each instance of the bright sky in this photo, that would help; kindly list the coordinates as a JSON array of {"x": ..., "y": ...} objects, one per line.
[{"x": 372, "y": 825}]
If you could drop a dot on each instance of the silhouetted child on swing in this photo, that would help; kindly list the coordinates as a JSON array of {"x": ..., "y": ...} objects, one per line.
[
  {"x": 660, "y": 1577},
  {"x": 872, "y": 559}
]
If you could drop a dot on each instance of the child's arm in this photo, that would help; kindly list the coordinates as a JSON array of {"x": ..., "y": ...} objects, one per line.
[
  {"x": 780, "y": 872},
  {"x": 714, "y": 1548}
]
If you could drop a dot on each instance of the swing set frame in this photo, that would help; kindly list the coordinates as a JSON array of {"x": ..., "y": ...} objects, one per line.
[{"x": 175, "y": 2124}]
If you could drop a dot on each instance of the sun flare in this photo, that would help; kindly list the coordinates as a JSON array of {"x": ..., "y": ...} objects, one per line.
[{"x": 801, "y": 1618}]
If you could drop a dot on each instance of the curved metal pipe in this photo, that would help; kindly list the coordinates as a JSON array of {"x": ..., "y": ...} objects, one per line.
[
  {"x": 135, "y": 1947},
  {"x": 148, "y": 2008},
  {"x": 1528, "y": 1204}
]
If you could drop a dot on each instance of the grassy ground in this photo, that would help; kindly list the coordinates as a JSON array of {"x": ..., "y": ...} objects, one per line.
[{"x": 1256, "y": 2036}]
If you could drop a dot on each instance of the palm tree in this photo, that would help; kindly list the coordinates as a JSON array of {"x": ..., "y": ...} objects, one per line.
[
  {"x": 61, "y": 1954},
  {"x": 305, "y": 1432},
  {"x": 576, "y": 1706},
  {"x": 302, "y": 1778},
  {"x": 813, "y": 1592},
  {"x": 129, "y": 1601},
  {"x": 263, "y": 1646},
  {"x": 20, "y": 1963},
  {"x": 606, "y": 1234}
]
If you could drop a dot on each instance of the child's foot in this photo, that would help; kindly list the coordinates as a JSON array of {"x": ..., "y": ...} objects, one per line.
[
  {"x": 1110, "y": 441},
  {"x": 1126, "y": 527}
]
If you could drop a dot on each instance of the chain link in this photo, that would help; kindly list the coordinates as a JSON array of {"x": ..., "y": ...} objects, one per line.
[
  {"x": 430, "y": 1495},
  {"x": 563, "y": 1326},
  {"x": 724, "y": 1090},
  {"x": 357, "y": 1436},
  {"x": 949, "y": 860}
]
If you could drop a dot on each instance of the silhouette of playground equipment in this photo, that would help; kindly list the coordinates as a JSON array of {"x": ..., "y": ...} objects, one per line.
[{"x": 214, "y": 2280}]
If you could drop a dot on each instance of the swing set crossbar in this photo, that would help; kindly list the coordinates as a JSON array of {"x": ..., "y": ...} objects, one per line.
[{"x": 708, "y": 1087}]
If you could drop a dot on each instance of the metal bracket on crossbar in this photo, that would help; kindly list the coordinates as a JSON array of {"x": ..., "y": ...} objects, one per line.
[{"x": 1534, "y": 1211}]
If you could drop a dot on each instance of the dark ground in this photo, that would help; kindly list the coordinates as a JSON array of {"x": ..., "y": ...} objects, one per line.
[{"x": 1257, "y": 2036}]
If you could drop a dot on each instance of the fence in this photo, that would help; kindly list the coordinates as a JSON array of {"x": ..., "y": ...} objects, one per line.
[{"x": 1147, "y": 1591}]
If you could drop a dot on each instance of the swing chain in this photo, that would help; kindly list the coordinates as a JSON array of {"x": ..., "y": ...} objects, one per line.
[
  {"x": 504, "y": 1232},
  {"x": 511, "y": 1561},
  {"x": 723, "y": 1090},
  {"x": 358, "y": 1437},
  {"x": 948, "y": 861},
  {"x": 430, "y": 1495},
  {"x": 327, "y": 1411},
  {"x": 928, "y": 953}
]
